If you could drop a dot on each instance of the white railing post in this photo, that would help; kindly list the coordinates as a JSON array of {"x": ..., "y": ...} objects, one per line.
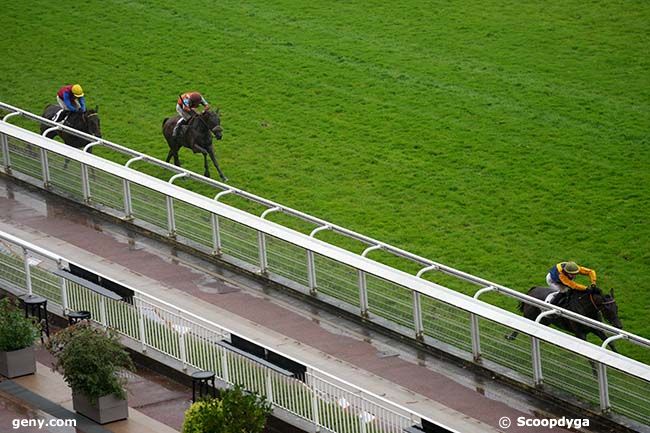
[
  {"x": 363, "y": 284},
  {"x": 261, "y": 247},
  {"x": 216, "y": 234},
  {"x": 171, "y": 222},
  {"x": 269, "y": 385},
  {"x": 311, "y": 264},
  {"x": 181, "y": 341},
  {"x": 6, "y": 159},
  {"x": 417, "y": 305},
  {"x": 64, "y": 296},
  {"x": 475, "y": 330},
  {"x": 311, "y": 272},
  {"x": 603, "y": 388},
  {"x": 314, "y": 402},
  {"x": 102, "y": 311},
  {"x": 128, "y": 208},
  {"x": 476, "y": 337},
  {"x": 538, "y": 376},
  {"x": 171, "y": 219},
  {"x": 417, "y": 316},
  {"x": 28, "y": 272},
  {"x": 363, "y": 293},
  {"x": 126, "y": 187},
  {"x": 45, "y": 169},
  {"x": 536, "y": 354},
  {"x": 225, "y": 371},
  {"x": 141, "y": 327},
  {"x": 85, "y": 184},
  {"x": 261, "y": 242}
]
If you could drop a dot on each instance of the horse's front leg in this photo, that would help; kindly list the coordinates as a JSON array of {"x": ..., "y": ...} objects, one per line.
[
  {"x": 205, "y": 165},
  {"x": 583, "y": 336},
  {"x": 216, "y": 164}
]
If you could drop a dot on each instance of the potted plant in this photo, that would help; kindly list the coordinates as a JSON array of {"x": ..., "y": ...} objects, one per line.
[
  {"x": 17, "y": 336},
  {"x": 92, "y": 362},
  {"x": 236, "y": 411}
]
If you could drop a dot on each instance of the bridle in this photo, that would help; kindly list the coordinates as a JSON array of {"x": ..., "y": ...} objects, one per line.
[
  {"x": 214, "y": 130},
  {"x": 591, "y": 298}
]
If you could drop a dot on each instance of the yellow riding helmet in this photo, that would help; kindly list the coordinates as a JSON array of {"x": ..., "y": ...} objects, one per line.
[
  {"x": 571, "y": 268},
  {"x": 77, "y": 91}
]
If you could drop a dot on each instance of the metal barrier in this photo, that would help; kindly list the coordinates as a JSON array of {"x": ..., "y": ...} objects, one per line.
[
  {"x": 418, "y": 308},
  {"x": 322, "y": 399}
]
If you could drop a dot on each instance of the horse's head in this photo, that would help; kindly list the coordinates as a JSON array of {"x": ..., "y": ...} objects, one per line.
[
  {"x": 91, "y": 120},
  {"x": 212, "y": 120},
  {"x": 606, "y": 303}
]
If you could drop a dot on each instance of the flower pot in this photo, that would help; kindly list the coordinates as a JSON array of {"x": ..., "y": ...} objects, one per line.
[
  {"x": 108, "y": 408},
  {"x": 18, "y": 362}
]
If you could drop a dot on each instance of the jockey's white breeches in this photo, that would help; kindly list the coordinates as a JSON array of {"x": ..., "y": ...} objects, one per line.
[{"x": 558, "y": 287}]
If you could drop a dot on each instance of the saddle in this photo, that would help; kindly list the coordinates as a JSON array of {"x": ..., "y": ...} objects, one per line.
[
  {"x": 60, "y": 116},
  {"x": 561, "y": 299}
]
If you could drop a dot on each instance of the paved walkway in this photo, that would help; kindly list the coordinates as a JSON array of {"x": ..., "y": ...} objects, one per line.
[
  {"x": 155, "y": 404},
  {"x": 428, "y": 385}
]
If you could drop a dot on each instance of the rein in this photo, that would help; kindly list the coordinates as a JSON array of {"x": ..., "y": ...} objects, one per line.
[
  {"x": 213, "y": 130},
  {"x": 591, "y": 298}
]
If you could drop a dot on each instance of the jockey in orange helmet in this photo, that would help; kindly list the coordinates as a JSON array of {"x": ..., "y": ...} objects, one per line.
[{"x": 185, "y": 107}]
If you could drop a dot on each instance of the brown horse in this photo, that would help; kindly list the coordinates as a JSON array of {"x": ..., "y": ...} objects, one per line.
[{"x": 197, "y": 136}]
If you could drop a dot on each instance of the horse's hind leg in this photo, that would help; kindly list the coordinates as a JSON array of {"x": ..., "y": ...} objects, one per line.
[
  {"x": 530, "y": 314},
  {"x": 173, "y": 152}
]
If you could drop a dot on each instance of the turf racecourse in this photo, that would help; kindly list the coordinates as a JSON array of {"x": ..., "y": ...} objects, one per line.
[{"x": 496, "y": 137}]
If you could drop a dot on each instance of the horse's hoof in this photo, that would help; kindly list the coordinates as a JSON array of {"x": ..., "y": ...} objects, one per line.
[
  {"x": 509, "y": 337},
  {"x": 224, "y": 179}
]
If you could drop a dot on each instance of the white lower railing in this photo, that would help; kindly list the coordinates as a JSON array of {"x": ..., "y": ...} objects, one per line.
[{"x": 320, "y": 398}]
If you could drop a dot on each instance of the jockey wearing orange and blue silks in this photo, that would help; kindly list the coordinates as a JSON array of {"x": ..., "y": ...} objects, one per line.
[
  {"x": 185, "y": 107},
  {"x": 561, "y": 276}
]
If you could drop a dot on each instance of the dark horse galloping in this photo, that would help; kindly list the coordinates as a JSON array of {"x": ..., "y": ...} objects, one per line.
[
  {"x": 85, "y": 122},
  {"x": 196, "y": 136},
  {"x": 592, "y": 304}
]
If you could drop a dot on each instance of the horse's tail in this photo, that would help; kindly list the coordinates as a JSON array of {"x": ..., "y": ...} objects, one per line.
[{"x": 165, "y": 121}]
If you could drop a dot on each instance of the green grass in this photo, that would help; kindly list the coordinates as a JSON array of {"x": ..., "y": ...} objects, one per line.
[{"x": 496, "y": 137}]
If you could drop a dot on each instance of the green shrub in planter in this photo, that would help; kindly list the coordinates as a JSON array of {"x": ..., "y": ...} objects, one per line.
[
  {"x": 17, "y": 335},
  {"x": 16, "y": 331},
  {"x": 235, "y": 412},
  {"x": 91, "y": 360}
]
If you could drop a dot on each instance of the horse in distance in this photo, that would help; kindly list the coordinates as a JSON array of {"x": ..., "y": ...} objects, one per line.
[{"x": 196, "y": 135}]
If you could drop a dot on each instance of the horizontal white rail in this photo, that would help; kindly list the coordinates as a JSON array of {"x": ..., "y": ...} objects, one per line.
[
  {"x": 428, "y": 263},
  {"x": 426, "y": 309}
]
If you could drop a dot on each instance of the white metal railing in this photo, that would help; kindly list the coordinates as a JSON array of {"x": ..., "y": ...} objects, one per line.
[
  {"x": 321, "y": 398},
  {"x": 420, "y": 308}
]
